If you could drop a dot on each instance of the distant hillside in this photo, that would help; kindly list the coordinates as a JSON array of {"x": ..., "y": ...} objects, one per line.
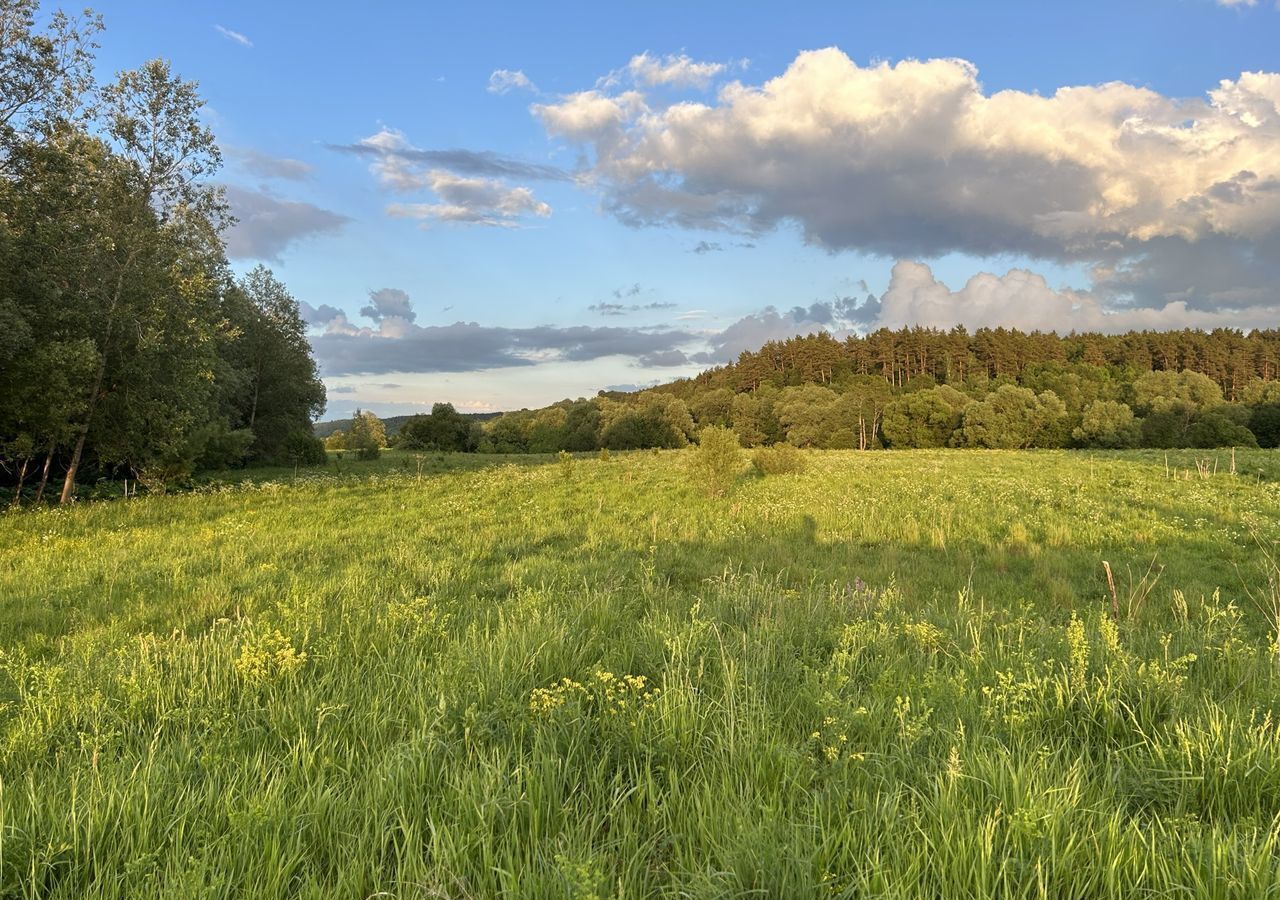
[{"x": 392, "y": 423}]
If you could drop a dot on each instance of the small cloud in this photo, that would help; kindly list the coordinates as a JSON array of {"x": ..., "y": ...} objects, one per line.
[
  {"x": 503, "y": 81},
  {"x": 233, "y": 36},
  {"x": 676, "y": 71},
  {"x": 707, "y": 247},
  {"x": 388, "y": 303},
  {"x": 264, "y": 165},
  {"x": 267, "y": 224},
  {"x": 473, "y": 201},
  {"x": 318, "y": 315},
  {"x": 663, "y": 358}
]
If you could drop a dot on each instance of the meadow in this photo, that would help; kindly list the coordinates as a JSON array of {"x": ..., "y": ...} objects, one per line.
[{"x": 894, "y": 674}]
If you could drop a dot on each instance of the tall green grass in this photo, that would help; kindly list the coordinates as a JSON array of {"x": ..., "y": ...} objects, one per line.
[{"x": 887, "y": 675}]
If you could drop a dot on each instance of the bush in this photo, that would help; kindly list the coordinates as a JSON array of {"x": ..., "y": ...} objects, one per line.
[
  {"x": 717, "y": 460},
  {"x": 780, "y": 459},
  {"x": 304, "y": 449}
]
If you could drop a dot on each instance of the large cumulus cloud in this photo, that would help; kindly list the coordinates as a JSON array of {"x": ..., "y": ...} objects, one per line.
[{"x": 916, "y": 160}]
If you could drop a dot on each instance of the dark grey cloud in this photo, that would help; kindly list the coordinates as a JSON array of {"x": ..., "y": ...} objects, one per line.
[
  {"x": 267, "y": 225},
  {"x": 837, "y": 317},
  {"x": 264, "y": 165},
  {"x": 397, "y": 345},
  {"x": 318, "y": 315},
  {"x": 1214, "y": 273},
  {"x": 468, "y": 346},
  {"x": 483, "y": 163},
  {"x": 386, "y": 303},
  {"x": 663, "y": 359}
]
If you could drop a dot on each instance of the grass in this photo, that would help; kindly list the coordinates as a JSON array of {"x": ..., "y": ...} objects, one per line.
[{"x": 891, "y": 674}]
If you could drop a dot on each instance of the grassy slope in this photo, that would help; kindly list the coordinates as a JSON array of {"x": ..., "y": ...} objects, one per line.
[{"x": 890, "y": 675}]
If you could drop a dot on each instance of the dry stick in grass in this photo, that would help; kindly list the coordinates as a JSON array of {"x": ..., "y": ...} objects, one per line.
[{"x": 1111, "y": 583}]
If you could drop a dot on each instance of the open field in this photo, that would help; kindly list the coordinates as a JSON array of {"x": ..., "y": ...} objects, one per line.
[{"x": 895, "y": 674}]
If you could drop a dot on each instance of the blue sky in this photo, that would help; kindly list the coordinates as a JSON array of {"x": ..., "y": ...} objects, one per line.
[{"x": 663, "y": 185}]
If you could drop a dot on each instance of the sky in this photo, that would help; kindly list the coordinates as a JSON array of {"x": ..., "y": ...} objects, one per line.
[{"x": 504, "y": 205}]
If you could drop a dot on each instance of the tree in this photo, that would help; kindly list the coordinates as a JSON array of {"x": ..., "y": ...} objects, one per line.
[
  {"x": 367, "y": 435},
  {"x": 43, "y": 75},
  {"x": 1010, "y": 418},
  {"x": 277, "y": 389},
  {"x": 717, "y": 460},
  {"x": 926, "y": 418},
  {"x": 754, "y": 418},
  {"x": 1264, "y": 422},
  {"x": 1175, "y": 392},
  {"x": 1108, "y": 424},
  {"x": 160, "y": 222},
  {"x": 1226, "y": 425},
  {"x": 808, "y": 415},
  {"x": 444, "y": 429}
]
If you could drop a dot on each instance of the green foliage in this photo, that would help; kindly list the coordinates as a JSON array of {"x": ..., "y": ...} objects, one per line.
[
  {"x": 1108, "y": 424},
  {"x": 445, "y": 429},
  {"x": 717, "y": 460},
  {"x": 924, "y": 418},
  {"x": 1010, "y": 418},
  {"x": 1164, "y": 392},
  {"x": 1264, "y": 422},
  {"x": 1226, "y": 425},
  {"x": 780, "y": 459},
  {"x": 302, "y": 448}
]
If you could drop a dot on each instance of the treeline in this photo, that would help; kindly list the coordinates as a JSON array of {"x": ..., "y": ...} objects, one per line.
[
  {"x": 127, "y": 348},
  {"x": 922, "y": 387}
]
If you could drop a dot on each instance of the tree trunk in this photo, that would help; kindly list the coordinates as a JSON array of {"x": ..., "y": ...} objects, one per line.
[
  {"x": 257, "y": 381},
  {"x": 44, "y": 475},
  {"x": 22, "y": 477},
  {"x": 69, "y": 483}
]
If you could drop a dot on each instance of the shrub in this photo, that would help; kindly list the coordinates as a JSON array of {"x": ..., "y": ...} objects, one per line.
[
  {"x": 780, "y": 459},
  {"x": 303, "y": 449},
  {"x": 717, "y": 460}
]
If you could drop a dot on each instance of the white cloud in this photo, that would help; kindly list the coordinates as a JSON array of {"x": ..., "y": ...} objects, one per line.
[
  {"x": 675, "y": 71},
  {"x": 1024, "y": 300},
  {"x": 588, "y": 116},
  {"x": 914, "y": 158},
  {"x": 235, "y": 36},
  {"x": 406, "y": 169},
  {"x": 473, "y": 201},
  {"x": 1236, "y": 3},
  {"x": 504, "y": 80}
]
